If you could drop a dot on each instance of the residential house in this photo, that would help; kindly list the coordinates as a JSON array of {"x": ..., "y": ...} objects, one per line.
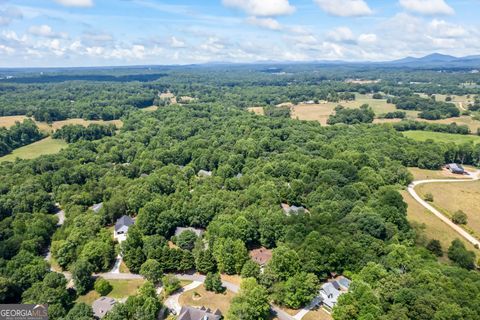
[
  {"x": 180, "y": 230},
  {"x": 329, "y": 294},
  {"x": 261, "y": 256},
  {"x": 456, "y": 168},
  {"x": 121, "y": 228},
  {"x": 330, "y": 291},
  {"x": 192, "y": 313},
  {"x": 101, "y": 306}
]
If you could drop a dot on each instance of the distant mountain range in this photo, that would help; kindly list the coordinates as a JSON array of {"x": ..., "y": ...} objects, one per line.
[{"x": 438, "y": 60}]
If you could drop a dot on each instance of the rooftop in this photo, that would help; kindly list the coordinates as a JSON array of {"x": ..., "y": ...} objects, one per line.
[
  {"x": 261, "y": 256},
  {"x": 191, "y": 313},
  {"x": 124, "y": 221}
]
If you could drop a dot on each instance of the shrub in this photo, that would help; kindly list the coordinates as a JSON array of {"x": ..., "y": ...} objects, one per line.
[
  {"x": 459, "y": 217},
  {"x": 102, "y": 286},
  {"x": 170, "y": 284},
  {"x": 428, "y": 197}
]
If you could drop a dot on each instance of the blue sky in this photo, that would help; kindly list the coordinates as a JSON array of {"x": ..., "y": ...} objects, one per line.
[{"x": 132, "y": 32}]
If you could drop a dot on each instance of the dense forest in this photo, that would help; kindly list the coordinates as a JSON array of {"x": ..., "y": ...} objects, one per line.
[{"x": 347, "y": 176}]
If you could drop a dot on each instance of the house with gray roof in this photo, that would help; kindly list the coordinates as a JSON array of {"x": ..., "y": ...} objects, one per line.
[
  {"x": 102, "y": 305},
  {"x": 192, "y": 313},
  {"x": 329, "y": 295},
  {"x": 121, "y": 228}
]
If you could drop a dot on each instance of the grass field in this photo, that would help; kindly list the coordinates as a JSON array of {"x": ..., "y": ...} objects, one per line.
[
  {"x": 441, "y": 137},
  {"x": 320, "y": 112},
  {"x": 121, "y": 289},
  {"x": 318, "y": 314},
  {"x": 472, "y": 124},
  {"x": 36, "y": 149},
  {"x": 434, "y": 227},
  {"x": 207, "y": 299},
  {"x": 9, "y": 121},
  {"x": 423, "y": 174},
  {"x": 451, "y": 197}
]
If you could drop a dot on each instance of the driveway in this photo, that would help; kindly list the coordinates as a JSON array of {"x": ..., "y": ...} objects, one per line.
[{"x": 411, "y": 189}]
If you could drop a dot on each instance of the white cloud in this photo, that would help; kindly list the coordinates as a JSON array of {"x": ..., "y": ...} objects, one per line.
[
  {"x": 176, "y": 43},
  {"x": 267, "y": 23},
  {"x": 427, "y": 7},
  {"x": 262, "y": 7},
  {"x": 6, "y": 49},
  {"x": 9, "y": 14},
  {"x": 45, "y": 31},
  {"x": 443, "y": 29},
  {"x": 341, "y": 34},
  {"x": 75, "y": 3},
  {"x": 367, "y": 38},
  {"x": 213, "y": 45},
  {"x": 345, "y": 8}
]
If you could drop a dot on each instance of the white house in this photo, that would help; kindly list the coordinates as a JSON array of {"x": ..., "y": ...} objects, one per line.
[{"x": 121, "y": 228}]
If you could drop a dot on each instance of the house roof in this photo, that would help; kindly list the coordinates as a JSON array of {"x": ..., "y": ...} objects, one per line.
[
  {"x": 191, "y": 313},
  {"x": 124, "y": 221},
  {"x": 102, "y": 305},
  {"x": 344, "y": 282},
  {"x": 456, "y": 167},
  {"x": 329, "y": 294},
  {"x": 181, "y": 230},
  {"x": 261, "y": 256}
]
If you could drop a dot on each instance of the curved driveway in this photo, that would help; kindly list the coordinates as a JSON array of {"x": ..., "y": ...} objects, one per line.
[{"x": 411, "y": 189}]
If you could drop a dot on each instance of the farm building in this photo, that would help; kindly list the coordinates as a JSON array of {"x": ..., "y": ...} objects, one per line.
[{"x": 455, "y": 168}]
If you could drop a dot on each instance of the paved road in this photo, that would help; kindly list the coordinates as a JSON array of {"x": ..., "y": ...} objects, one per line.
[{"x": 411, "y": 189}]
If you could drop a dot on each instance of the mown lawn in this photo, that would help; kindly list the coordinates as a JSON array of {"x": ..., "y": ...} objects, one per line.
[
  {"x": 424, "y": 174},
  {"x": 441, "y": 137},
  {"x": 318, "y": 314},
  {"x": 204, "y": 298},
  {"x": 121, "y": 289},
  {"x": 36, "y": 149}
]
